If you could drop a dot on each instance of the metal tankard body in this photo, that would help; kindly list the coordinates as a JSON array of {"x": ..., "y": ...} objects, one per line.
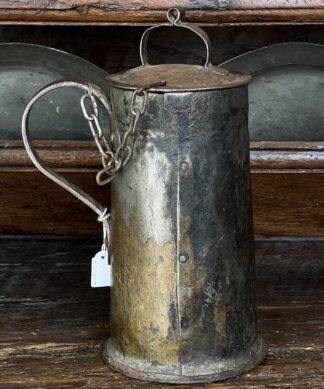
[{"x": 183, "y": 300}]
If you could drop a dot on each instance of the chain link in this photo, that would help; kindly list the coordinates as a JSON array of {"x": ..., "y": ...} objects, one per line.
[{"x": 116, "y": 152}]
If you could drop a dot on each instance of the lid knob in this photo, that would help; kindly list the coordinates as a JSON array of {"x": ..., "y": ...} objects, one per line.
[{"x": 174, "y": 15}]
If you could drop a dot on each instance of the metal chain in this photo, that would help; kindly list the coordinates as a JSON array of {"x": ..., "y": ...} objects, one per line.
[{"x": 114, "y": 157}]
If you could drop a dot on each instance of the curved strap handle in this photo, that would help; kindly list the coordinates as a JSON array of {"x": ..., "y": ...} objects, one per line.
[
  {"x": 174, "y": 15},
  {"x": 47, "y": 171}
]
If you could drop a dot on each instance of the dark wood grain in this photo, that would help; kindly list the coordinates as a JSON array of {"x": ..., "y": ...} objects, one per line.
[
  {"x": 288, "y": 187},
  {"x": 32, "y": 204},
  {"x": 62, "y": 154},
  {"x": 52, "y": 324},
  {"x": 83, "y": 154},
  {"x": 149, "y": 12},
  {"x": 290, "y": 204}
]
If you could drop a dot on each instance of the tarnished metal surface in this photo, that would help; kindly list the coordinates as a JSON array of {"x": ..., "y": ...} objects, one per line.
[
  {"x": 182, "y": 301},
  {"x": 26, "y": 68},
  {"x": 285, "y": 91},
  {"x": 177, "y": 77},
  {"x": 142, "y": 214},
  {"x": 183, "y": 304}
]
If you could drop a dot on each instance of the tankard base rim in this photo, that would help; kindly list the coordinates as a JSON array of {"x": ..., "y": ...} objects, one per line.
[{"x": 221, "y": 369}]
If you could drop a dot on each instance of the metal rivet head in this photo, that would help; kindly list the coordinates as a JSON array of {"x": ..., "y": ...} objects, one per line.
[
  {"x": 184, "y": 323},
  {"x": 183, "y": 257},
  {"x": 184, "y": 166}
]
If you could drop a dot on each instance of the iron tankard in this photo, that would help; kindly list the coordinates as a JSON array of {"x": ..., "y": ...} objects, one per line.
[{"x": 183, "y": 299}]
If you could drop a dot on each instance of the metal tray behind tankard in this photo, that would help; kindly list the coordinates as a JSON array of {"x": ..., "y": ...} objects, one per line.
[
  {"x": 24, "y": 69},
  {"x": 286, "y": 93}
]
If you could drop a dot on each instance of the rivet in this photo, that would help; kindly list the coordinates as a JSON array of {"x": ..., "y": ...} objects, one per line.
[
  {"x": 184, "y": 323},
  {"x": 184, "y": 166},
  {"x": 183, "y": 258}
]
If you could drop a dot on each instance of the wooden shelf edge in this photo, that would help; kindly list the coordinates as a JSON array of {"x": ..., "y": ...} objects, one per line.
[
  {"x": 66, "y": 156},
  {"x": 74, "y": 155},
  {"x": 95, "y": 16},
  {"x": 282, "y": 146}
]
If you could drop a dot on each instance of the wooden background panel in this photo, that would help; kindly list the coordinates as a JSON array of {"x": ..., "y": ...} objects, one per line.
[
  {"x": 288, "y": 204},
  {"x": 31, "y": 204},
  {"x": 284, "y": 204}
]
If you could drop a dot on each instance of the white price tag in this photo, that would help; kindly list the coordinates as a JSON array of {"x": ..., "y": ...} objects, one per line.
[{"x": 101, "y": 271}]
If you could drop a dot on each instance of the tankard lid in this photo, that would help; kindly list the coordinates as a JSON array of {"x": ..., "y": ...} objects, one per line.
[{"x": 177, "y": 78}]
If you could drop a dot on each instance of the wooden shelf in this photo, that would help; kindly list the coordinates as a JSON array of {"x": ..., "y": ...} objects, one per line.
[
  {"x": 53, "y": 325},
  {"x": 78, "y": 155},
  {"x": 286, "y": 201},
  {"x": 122, "y": 12},
  {"x": 65, "y": 155}
]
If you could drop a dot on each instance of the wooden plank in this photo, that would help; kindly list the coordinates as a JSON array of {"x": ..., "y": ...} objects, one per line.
[
  {"x": 294, "y": 159},
  {"x": 124, "y": 5},
  {"x": 63, "y": 154},
  {"x": 32, "y": 204},
  {"x": 284, "y": 146},
  {"x": 147, "y": 13},
  {"x": 52, "y": 324},
  {"x": 285, "y": 202},
  {"x": 83, "y": 154},
  {"x": 288, "y": 204}
]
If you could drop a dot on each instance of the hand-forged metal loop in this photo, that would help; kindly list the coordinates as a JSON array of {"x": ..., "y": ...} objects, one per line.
[
  {"x": 90, "y": 96},
  {"x": 113, "y": 158},
  {"x": 47, "y": 171},
  {"x": 135, "y": 109},
  {"x": 174, "y": 15}
]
